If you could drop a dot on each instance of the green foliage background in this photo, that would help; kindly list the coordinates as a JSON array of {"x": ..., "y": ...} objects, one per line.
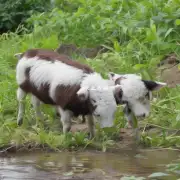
[
  {"x": 138, "y": 34},
  {"x": 14, "y": 13}
]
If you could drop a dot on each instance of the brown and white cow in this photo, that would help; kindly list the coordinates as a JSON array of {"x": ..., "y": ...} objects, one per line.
[{"x": 73, "y": 88}]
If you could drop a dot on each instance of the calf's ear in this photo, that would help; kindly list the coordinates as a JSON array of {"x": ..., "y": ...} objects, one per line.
[
  {"x": 83, "y": 94},
  {"x": 154, "y": 85}
]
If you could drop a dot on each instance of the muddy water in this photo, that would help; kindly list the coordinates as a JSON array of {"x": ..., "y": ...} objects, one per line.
[{"x": 86, "y": 165}]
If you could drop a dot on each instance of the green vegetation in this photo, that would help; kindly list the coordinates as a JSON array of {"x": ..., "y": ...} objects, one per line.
[
  {"x": 138, "y": 34},
  {"x": 15, "y": 13}
]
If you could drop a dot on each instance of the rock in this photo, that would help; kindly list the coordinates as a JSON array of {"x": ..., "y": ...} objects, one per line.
[
  {"x": 168, "y": 70},
  {"x": 70, "y": 49},
  {"x": 169, "y": 59}
]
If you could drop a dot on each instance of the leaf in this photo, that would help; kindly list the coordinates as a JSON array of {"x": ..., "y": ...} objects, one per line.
[
  {"x": 117, "y": 46},
  {"x": 139, "y": 66},
  {"x": 179, "y": 67},
  {"x": 177, "y": 22},
  {"x": 168, "y": 32},
  {"x": 178, "y": 117},
  {"x": 152, "y": 26},
  {"x": 134, "y": 121},
  {"x": 157, "y": 174}
]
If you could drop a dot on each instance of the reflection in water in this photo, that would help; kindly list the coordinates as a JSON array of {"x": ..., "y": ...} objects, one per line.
[{"x": 84, "y": 165}]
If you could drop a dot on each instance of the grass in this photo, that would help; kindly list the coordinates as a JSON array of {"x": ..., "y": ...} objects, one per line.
[{"x": 137, "y": 38}]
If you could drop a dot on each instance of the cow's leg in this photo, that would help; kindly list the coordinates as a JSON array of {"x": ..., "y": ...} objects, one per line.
[
  {"x": 57, "y": 112},
  {"x": 91, "y": 126},
  {"x": 36, "y": 105},
  {"x": 65, "y": 119},
  {"x": 21, "y": 95},
  {"x": 83, "y": 119},
  {"x": 129, "y": 116}
]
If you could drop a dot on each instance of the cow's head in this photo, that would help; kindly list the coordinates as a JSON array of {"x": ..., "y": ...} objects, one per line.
[
  {"x": 103, "y": 101},
  {"x": 136, "y": 93}
]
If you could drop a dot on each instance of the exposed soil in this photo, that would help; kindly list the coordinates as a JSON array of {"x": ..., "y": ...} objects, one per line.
[{"x": 126, "y": 139}]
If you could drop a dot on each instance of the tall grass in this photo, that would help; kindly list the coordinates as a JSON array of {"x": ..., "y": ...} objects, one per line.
[{"x": 138, "y": 33}]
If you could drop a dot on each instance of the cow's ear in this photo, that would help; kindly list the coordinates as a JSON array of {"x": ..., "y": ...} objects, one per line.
[
  {"x": 111, "y": 75},
  {"x": 83, "y": 94},
  {"x": 154, "y": 85},
  {"x": 18, "y": 55},
  {"x": 118, "y": 93}
]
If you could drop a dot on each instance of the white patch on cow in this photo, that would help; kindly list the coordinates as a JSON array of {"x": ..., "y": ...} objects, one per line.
[
  {"x": 94, "y": 80},
  {"x": 133, "y": 88},
  {"x": 43, "y": 71},
  {"x": 55, "y": 73},
  {"x": 106, "y": 106},
  {"x": 110, "y": 82},
  {"x": 21, "y": 67},
  {"x": 102, "y": 96}
]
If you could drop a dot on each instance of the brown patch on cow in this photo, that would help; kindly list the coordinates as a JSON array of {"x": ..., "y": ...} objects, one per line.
[
  {"x": 50, "y": 55},
  {"x": 41, "y": 93},
  {"x": 67, "y": 98}
]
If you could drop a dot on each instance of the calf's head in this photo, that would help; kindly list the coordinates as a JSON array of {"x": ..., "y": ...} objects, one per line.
[
  {"x": 103, "y": 101},
  {"x": 136, "y": 93}
]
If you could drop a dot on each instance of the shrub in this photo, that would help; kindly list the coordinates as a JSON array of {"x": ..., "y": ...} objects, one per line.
[{"x": 14, "y": 13}]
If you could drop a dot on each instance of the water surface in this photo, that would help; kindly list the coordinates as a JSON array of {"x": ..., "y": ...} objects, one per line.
[{"x": 89, "y": 165}]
